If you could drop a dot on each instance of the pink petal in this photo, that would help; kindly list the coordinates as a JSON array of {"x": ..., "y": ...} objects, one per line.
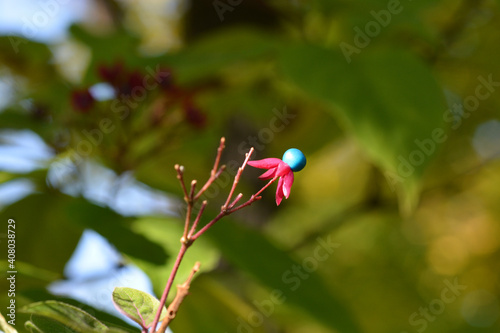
[
  {"x": 268, "y": 174},
  {"x": 279, "y": 192},
  {"x": 283, "y": 169},
  {"x": 287, "y": 183},
  {"x": 266, "y": 163}
]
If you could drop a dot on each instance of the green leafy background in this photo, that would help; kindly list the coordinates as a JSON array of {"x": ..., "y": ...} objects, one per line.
[{"x": 400, "y": 236}]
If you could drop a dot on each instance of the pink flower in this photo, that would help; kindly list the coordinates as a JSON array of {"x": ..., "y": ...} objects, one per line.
[{"x": 276, "y": 168}]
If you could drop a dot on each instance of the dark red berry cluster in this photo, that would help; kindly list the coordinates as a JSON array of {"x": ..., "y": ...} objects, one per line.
[
  {"x": 82, "y": 100},
  {"x": 132, "y": 87}
]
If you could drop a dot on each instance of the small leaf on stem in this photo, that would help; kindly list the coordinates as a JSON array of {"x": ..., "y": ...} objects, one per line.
[{"x": 139, "y": 306}]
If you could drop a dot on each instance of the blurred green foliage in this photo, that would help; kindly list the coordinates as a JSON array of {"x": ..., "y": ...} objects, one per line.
[{"x": 393, "y": 178}]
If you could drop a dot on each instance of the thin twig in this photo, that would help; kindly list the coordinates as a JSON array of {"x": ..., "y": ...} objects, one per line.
[
  {"x": 197, "y": 220},
  {"x": 180, "y": 176},
  {"x": 190, "y": 234},
  {"x": 237, "y": 178},
  {"x": 254, "y": 197},
  {"x": 186, "y": 223},
  {"x": 187, "y": 198},
  {"x": 231, "y": 210},
  {"x": 208, "y": 225},
  {"x": 170, "y": 281},
  {"x": 215, "y": 172},
  {"x": 217, "y": 158},
  {"x": 235, "y": 201},
  {"x": 191, "y": 193},
  {"x": 182, "y": 292},
  {"x": 209, "y": 182},
  {"x": 190, "y": 203}
]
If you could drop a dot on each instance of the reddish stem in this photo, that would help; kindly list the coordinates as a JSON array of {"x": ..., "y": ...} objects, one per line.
[
  {"x": 182, "y": 292},
  {"x": 223, "y": 213},
  {"x": 235, "y": 201},
  {"x": 254, "y": 197},
  {"x": 187, "y": 197},
  {"x": 180, "y": 174},
  {"x": 190, "y": 202},
  {"x": 217, "y": 158},
  {"x": 170, "y": 281},
  {"x": 237, "y": 178},
  {"x": 209, "y": 224},
  {"x": 196, "y": 221},
  {"x": 189, "y": 235},
  {"x": 215, "y": 172}
]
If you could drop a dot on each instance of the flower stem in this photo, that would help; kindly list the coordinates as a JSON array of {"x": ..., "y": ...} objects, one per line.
[
  {"x": 215, "y": 172},
  {"x": 190, "y": 234},
  {"x": 170, "y": 281},
  {"x": 254, "y": 197},
  {"x": 197, "y": 220},
  {"x": 182, "y": 292},
  {"x": 223, "y": 212},
  {"x": 237, "y": 178},
  {"x": 208, "y": 225},
  {"x": 187, "y": 197}
]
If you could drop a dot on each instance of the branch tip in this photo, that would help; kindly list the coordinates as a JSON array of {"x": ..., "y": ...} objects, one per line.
[{"x": 196, "y": 267}]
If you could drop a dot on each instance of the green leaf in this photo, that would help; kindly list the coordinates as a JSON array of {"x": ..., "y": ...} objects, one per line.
[
  {"x": 117, "y": 231},
  {"x": 29, "y": 271},
  {"x": 385, "y": 110},
  {"x": 244, "y": 247},
  {"x": 217, "y": 51},
  {"x": 139, "y": 306},
  {"x": 39, "y": 324},
  {"x": 62, "y": 218},
  {"x": 27, "y": 58},
  {"x": 212, "y": 307},
  {"x": 13, "y": 118},
  {"x": 6, "y": 327},
  {"x": 41, "y": 218},
  {"x": 37, "y": 295},
  {"x": 77, "y": 319}
]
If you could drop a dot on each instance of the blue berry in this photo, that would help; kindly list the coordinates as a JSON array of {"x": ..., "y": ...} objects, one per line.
[{"x": 295, "y": 159}]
